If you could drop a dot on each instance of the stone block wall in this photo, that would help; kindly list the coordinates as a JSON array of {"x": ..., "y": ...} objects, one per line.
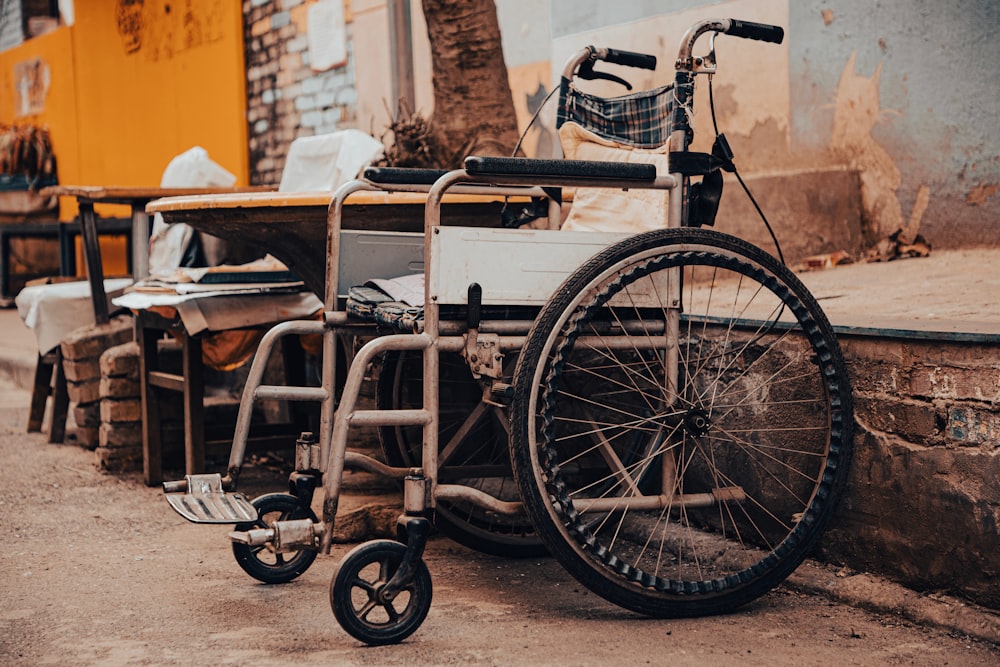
[
  {"x": 102, "y": 378},
  {"x": 81, "y": 352},
  {"x": 286, "y": 98},
  {"x": 923, "y": 501},
  {"x": 120, "y": 435},
  {"x": 119, "y": 421}
]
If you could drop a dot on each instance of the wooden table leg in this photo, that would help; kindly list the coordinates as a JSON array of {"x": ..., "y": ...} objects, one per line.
[
  {"x": 194, "y": 407},
  {"x": 41, "y": 391},
  {"x": 67, "y": 253},
  {"x": 5, "y": 272},
  {"x": 92, "y": 254},
  {"x": 50, "y": 380},
  {"x": 60, "y": 402},
  {"x": 152, "y": 436}
]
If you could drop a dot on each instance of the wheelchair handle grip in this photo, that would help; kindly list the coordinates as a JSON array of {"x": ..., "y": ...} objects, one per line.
[
  {"x": 629, "y": 58},
  {"x": 759, "y": 31},
  {"x": 475, "y": 293}
]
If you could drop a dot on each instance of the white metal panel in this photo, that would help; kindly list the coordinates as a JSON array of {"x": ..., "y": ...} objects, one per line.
[
  {"x": 514, "y": 266},
  {"x": 365, "y": 255}
]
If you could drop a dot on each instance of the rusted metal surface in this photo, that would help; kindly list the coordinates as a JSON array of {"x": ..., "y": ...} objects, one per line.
[{"x": 204, "y": 501}]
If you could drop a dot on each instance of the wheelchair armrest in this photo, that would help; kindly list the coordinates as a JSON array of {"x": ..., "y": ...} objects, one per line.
[
  {"x": 403, "y": 176},
  {"x": 582, "y": 169}
]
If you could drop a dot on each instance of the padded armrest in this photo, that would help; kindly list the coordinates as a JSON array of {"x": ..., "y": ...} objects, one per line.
[
  {"x": 403, "y": 176},
  {"x": 584, "y": 169}
]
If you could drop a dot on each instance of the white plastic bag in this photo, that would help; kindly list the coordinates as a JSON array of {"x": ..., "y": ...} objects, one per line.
[{"x": 191, "y": 169}]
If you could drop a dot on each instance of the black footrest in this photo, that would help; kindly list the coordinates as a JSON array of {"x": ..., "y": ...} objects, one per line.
[
  {"x": 583, "y": 169},
  {"x": 403, "y": 176}
]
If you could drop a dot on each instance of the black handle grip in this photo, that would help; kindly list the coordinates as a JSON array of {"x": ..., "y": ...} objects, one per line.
[
  {"x": 475, "y": 305},
  {"x": 751, "y": 30},
  {"x": 631, "y": 59}
]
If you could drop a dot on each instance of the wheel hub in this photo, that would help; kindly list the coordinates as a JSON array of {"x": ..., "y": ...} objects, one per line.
[{"x": 697, "y": 422}]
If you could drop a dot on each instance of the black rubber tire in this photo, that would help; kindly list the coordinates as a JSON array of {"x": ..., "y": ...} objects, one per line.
[
  {"x": 354, "y": 594},
  {"x": 758, "y": 431},
  {"x": 263, "y": 563},
  {"x": 400, "y": 385}
]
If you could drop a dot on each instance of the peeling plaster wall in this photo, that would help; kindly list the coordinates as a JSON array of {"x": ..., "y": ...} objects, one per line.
[
  {"x": 919, "y": 83},
  {"x": 904, "y": 91}
]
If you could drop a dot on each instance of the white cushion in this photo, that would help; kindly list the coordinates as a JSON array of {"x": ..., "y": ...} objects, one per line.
[{"x": 610, "y": 209}]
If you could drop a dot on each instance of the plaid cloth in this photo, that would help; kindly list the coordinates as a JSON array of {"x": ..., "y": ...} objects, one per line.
[{"x": 641, "y": 119}]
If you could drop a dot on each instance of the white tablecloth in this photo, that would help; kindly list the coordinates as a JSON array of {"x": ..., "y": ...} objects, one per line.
[{"x": 53, "y": 311}]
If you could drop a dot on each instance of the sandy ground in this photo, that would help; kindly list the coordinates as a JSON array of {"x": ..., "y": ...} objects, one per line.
[{"x": 100, "y": 571}]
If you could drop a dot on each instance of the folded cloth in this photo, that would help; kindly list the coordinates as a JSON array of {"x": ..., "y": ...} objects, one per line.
[
  {"x": 370, "y": 303},
  {"x": 362, "y": 301},
  {"x": 407, "y": 289}
]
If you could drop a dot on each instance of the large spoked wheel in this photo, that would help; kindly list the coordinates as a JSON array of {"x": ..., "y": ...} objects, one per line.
[
  {"x": 473, "y": 441},
  {"x": 358, "y": 602},
  {"x": 682, "y": 423},
  {"x": 263, "y": 563}
]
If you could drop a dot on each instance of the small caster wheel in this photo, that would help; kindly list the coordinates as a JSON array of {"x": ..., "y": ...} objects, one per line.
[
  {"x": 356, "y": 594},
  {"x": 263, "y": 563}
]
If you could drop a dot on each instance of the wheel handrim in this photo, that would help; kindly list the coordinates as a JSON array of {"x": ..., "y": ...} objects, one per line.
[{"x": 694, "y": 434}]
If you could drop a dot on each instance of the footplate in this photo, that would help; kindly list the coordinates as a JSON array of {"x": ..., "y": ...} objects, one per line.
[{"x": 201, "y": 499}]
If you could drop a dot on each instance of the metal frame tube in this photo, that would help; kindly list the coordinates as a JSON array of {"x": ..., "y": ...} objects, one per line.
[
  {"x": 253, "y": 384},
  {"x": 468, "y": 494},
  {"x": 639, "y": 503},
  {"x": 333, "y": 475}
]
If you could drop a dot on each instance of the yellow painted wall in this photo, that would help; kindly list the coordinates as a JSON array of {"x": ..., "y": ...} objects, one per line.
[
  {"x": 55, "y": 96},
  {"x": 127, "y": 93},
  {"x": 152, "y": 85},
  {"x": 55, "y": 53}
]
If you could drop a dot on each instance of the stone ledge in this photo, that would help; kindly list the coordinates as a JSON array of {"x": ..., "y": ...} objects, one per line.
[{"x": 922, "y": 505}]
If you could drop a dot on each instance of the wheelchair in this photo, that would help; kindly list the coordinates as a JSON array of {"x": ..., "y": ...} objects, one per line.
[{"x": 667, "y": 413}]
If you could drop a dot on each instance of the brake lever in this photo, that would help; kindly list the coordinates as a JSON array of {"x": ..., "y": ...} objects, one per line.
[{"x": 587, "y": 72}]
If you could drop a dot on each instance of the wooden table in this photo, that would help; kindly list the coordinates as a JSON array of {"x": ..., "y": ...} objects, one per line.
[
  {"x": 292, "y": 226},
  {"x": 135, "y": 197}
]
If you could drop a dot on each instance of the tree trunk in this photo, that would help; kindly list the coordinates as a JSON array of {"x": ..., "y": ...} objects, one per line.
[{"x": 473, "y": 107}]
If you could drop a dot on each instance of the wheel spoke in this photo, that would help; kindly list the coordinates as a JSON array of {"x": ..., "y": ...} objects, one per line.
[
  {"x": 391, "y": 612},
  {"x": 263, "y": 562},
  {"x": 675, "y": 452},
  {"x": 367, "y": 608},
  {"x": 371, "y": 618}
]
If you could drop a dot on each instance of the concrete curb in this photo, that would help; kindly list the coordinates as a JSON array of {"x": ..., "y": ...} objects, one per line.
[{"x": 875, "y": 594}]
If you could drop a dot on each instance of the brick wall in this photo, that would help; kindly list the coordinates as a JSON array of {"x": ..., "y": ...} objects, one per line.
[
  {"x": 285, "y": 97},
  {"x": 921, "y": 505}
]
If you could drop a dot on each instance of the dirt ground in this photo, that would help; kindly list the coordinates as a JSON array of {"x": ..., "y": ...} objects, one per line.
[{"x": 100, "y": 571}]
